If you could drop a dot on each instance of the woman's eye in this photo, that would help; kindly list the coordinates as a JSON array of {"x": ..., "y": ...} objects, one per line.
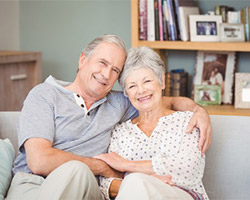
[
  {"x": 147, "y": 81},
  {"x": 131, "y": 86}
]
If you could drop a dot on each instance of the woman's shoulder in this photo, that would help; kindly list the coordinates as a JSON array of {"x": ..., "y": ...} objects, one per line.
[
  {"x": 122, "y": 127},
  {"x": 179, "y": 114}
]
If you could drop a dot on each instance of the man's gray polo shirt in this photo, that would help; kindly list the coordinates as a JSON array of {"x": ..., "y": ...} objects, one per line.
[{"x": 59, "y": 115}]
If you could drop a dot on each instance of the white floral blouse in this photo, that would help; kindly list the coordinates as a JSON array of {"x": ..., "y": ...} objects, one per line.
[{"x": 172, "y": 151}]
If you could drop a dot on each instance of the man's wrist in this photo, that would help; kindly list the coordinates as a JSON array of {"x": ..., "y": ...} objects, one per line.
[{"x": 198, "y": 108}]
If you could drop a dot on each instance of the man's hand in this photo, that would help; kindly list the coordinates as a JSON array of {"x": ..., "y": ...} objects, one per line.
[
  {"x": 114, "y": 160},
  {"x": 166, "y": 179},
  {"x": 103, "y": 169},
  {"x": 201, "y": 120}
]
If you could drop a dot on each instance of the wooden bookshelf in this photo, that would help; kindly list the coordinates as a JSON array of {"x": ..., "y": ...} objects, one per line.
[
  {"x": 162, "y": 46},
  {"x": 227, "y": 110},
  {"x": 196, "y": 46}
]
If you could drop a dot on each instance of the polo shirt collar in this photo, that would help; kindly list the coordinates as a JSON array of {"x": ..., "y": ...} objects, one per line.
[{"x": 61, "y": 84}]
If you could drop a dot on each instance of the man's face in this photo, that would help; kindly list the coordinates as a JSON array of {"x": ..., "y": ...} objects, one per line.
[{"x": 100, "y": 71}]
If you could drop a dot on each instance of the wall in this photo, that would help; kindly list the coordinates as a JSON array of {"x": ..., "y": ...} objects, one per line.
[
  {"x": 9, "y": 23},
  {"x": 60, "y": 29},
  {"x": 187, "y": 59}
]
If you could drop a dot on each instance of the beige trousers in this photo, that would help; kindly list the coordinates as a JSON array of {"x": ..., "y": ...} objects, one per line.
[
  {"x": 137, "y": 186},
  {"x": 71, "y": 181}
]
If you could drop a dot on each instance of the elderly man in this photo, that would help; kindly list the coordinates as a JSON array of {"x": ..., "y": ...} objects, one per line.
[{"x": 63, "y": 125}]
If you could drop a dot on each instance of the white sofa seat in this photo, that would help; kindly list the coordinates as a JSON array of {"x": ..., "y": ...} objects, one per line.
[{"x": 227, "y": 172}]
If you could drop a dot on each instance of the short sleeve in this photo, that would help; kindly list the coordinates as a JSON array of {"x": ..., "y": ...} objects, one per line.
[
  {"x": 37, "y": 116},
  {"x": 124, "y": 105}
]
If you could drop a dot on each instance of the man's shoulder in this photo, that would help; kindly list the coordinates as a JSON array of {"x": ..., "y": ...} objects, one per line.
[
  {"x": 42, "y": 89},
  {"x": 116, "y": 96}
]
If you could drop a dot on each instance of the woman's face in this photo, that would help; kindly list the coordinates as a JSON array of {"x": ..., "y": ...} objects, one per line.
[{"x": 143, "y": 89}]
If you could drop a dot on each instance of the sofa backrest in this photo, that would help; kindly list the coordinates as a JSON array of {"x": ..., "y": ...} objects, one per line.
[
  {"x": 227, "y": 171},
  {"x": 8, "y": 125}
]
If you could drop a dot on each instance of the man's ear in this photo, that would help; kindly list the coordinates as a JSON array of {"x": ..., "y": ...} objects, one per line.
[
  {"x": 81, "y": 61},
  {"x": 163, "y": 81}
]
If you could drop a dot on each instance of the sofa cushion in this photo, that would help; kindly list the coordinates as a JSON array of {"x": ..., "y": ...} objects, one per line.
[{"x": 7, "y": 154}]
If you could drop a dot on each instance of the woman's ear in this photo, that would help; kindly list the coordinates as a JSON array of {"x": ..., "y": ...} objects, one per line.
[{"x": 163, "y": 81}]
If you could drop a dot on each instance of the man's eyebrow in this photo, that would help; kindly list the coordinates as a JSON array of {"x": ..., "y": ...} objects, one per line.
[
  {"x": 107, "y": 62},
  {"x": 104, "y": 60}
]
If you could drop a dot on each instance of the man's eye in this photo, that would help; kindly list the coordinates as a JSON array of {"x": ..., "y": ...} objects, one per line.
[
  {"x": 116, "y": 70},
  {"x": 147, "y": 81},
  {"x": 131, "y": 86}
]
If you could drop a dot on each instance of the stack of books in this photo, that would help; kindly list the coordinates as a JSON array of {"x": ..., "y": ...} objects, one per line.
[
  {"x": 176, "y": 83},
  {"x": 165, "y": 19}
]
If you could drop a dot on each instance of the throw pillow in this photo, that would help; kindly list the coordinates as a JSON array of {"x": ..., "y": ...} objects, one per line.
[{"x": 7, "y": 154}]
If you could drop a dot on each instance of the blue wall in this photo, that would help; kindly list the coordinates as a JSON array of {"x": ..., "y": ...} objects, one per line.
[{"x": 60, "y": 29}]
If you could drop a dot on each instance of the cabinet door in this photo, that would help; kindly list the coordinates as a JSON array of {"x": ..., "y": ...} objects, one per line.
[{"x": 17, "y": 79}]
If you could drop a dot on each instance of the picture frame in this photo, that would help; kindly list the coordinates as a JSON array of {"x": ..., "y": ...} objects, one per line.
[
  {"x": 207, "y": 95},
  {"x": 204, "y": 28},
  {"x": 242, "y": 90},
  {"x": 232, "y": 32},
  {"x": 216, "y": 68}
]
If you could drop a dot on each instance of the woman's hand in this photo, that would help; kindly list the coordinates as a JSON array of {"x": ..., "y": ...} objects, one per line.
[
  {"x": 166, "y": 179},
  {"x": 114, "y": 160},
  {"x": 201, "y": 120}
]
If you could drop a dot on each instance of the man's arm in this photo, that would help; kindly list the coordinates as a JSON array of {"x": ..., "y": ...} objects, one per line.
[
  {"x": 42, "y": 159},
  {"x": 200, "y": 118},
  {"x": 114, "y": 188}
]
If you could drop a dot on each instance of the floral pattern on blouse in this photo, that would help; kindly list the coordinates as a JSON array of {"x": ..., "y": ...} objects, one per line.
[{"x": 172, "y": 151}]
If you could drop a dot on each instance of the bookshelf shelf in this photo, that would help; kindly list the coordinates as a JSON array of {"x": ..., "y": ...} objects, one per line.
[
  {"x": 201, "y": 46},
  {"x": 161, "y": 46},
  {"x": 227, "y": 110}
]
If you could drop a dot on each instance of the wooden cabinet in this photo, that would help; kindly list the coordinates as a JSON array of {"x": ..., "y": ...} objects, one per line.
[
  {"x": 19, "y": 73},
  {"x": 162, "y": 46}
]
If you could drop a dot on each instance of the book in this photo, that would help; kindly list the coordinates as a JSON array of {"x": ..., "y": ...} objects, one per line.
[
  {"x": 172, "y": 24},
  {"x": 156, "y": 18},
  {"x": 160, "y": 20},
  {"x": 166, "y": 91},
  {"x": 184, "y": 13},
  {"x": 178, "y": 83},
  {"x": 150, "y": 20},
  {"x": 143, "y": 19},
  {"x": 180, "y": 21},
  {"x": 166, "y": 17}
]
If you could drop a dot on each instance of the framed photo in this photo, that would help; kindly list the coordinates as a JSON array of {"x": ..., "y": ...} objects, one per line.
[
  {"x": 204, "y": 27},
  {"x": 216, "y": 68},
  {"x": 242, "y": 90},
  {"x": 207, "y": 95},
  {"x": 232, "y": 32}
]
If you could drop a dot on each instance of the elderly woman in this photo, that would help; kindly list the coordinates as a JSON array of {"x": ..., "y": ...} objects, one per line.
[{"x": 159, "y": 159}]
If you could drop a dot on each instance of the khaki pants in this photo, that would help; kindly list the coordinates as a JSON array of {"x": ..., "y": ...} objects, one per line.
[
  {"x": 71, "y": 181},
  {"x": 137, "y": 186}
]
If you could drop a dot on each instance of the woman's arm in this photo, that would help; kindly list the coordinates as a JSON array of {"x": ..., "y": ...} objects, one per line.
[
  {"x": 185, "y": 166},
  {"x": 110, "y": 186},
  {"x": 200, "y": 118}
]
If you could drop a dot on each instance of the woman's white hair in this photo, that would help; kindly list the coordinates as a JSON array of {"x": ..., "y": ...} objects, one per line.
[{"x": 142, "y": 57}]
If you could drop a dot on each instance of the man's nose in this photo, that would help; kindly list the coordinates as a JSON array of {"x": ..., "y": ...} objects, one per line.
[{"x": 106, "y": 72}]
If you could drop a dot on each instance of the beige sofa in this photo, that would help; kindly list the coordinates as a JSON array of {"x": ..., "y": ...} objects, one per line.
[{"x": 227, "y": 172}]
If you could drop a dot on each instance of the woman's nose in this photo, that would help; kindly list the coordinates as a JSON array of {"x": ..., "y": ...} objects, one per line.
[{"x": 141, "y": 89}]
